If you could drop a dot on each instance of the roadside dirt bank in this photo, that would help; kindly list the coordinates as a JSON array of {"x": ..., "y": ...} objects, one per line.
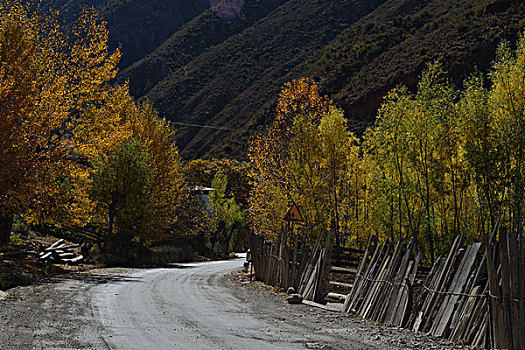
[{"x": 55, "y": 313}]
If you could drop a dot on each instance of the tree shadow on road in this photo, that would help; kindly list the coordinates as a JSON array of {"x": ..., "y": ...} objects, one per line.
[
  {"x": 95, "y": 278},
  {"x": 110, "y": 277}
]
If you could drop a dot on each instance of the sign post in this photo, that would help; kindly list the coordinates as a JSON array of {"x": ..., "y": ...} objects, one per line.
[{"x": 293, "y": 215}]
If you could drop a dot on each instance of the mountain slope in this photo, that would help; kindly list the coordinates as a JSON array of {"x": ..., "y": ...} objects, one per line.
[
  {"x": 246, "y": 69},
  {"x": 389, "y": 47},
  {"x": 140, "y": 26},
  {"x": 225, "y": 74},
  {"x": 357, "y": 50},
  {"x": 190, "y": 41}
]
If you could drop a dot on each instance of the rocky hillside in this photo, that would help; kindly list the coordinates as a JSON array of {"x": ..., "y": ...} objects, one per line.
[{"x": 201, "y": 67}]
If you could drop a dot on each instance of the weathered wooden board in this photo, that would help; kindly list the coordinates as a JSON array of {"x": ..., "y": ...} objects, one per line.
[{"x": 457, "y": 286}]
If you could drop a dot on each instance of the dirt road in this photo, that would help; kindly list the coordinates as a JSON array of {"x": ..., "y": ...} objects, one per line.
[
  {"x": 191, "y": 306},
  {"x": 188, "y": 309}
]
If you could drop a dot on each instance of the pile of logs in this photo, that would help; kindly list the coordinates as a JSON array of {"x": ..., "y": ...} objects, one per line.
[{"x": 61, "y": 253}]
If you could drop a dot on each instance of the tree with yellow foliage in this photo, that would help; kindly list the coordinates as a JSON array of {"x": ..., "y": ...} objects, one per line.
[
  {"x": 47, "y": 77},
  {"x": 304, "y": 158},
  {"x": 507, "y": 104},
  {"x": 435, "y": 164},
  {"x": 275, "y": 155},
  {"x": 339, "y": 152},
  {"x": 167, "y": 186},
  {"x": 74, "y": 147},
  {"x": 137, "y": 184},
  {"x": 120, "y": 187}
]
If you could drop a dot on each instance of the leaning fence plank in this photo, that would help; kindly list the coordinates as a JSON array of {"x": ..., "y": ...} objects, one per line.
[
  {"x": 310, "y": 265},
  {"x": 505, "y": 289},
  {"x": 479, "y": 338},
  {"x": 477, "y": 318},
  {"x": 360, "y": 283},
  {"x": 309, "y": 289},
  {"x": 466, "y": 313},
  {"x": 364, "y": 286},
  {"x": 495, "y": 296},
  {"x": 474, "y": 281},
  {"x": 449, "y": 303},
  {"x": 405, "y": 304},
  {"x": 416, "y": 318},
  {"x": 513, "y": 283},
  {"x": 521, "y": 278},
  {"x": 369, "y": 251},
  {"x": 372, "y": 276},
  {"x": 399, "y": 287},
  {"x": 386, "y": 287},
  {"x": 443, "y": 279}
]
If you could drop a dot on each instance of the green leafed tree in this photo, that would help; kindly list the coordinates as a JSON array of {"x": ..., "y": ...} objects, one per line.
[
  {"x": 120, "y": 188},
  {"x": 507, "y": 104},
  {"x": 482, "y": 152},
  {"x": 228, "y": 219},
  {"x": 138, "y": 185},
  {"x": 338, "y": 151}
]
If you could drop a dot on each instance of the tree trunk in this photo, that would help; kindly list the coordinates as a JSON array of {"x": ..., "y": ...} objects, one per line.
[
  {"x": 111, "y": 213},
  {"x": 229, "y": 238},
  {"x": 217, "y": 241},
  {"x": 6, "y": 223}
]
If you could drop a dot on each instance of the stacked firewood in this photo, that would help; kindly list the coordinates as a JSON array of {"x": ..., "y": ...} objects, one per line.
[{"x": 61, "y": 253}]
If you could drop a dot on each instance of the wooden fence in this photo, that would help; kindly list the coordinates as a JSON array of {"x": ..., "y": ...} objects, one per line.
[
  {"x": 467, "y": 298},
  {"x": 382, "y": 290},
  {"x": 292, "y": 265},
  {"x": 451, "y": 304},
  {"x": 312, "y": 284},
  {"x": 506, "y": 287},
  {"x": 280, "y": 264},
  {"x": 346, "y": 257},
  {"x": 469, "y": 295},
  {"x": 342, "y": 270}
]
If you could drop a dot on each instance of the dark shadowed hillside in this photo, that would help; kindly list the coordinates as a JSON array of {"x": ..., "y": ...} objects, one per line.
[
  {"x": 227, "y": 83},
  {"x": 225, "y": 73},
  {"x": 139, "y": 25},
  {"x": 192, "y": 40}
]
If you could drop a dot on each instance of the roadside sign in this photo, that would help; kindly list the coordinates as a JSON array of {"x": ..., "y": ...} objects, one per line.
[{"x": 294, "y": 214}]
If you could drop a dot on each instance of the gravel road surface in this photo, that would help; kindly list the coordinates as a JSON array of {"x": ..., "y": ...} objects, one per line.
[
  {"x": 189, "y": 306},
  {"x": 186, "y": 308}
]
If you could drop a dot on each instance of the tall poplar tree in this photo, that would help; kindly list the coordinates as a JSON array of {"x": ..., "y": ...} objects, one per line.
[{"x": 47, "y": 77}]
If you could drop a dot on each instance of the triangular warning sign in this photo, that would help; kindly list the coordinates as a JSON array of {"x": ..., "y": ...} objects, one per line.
[{"x": 293, "y": 214}]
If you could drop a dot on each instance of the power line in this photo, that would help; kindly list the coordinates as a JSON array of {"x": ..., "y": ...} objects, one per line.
[{"x": 202, "y": 126}]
